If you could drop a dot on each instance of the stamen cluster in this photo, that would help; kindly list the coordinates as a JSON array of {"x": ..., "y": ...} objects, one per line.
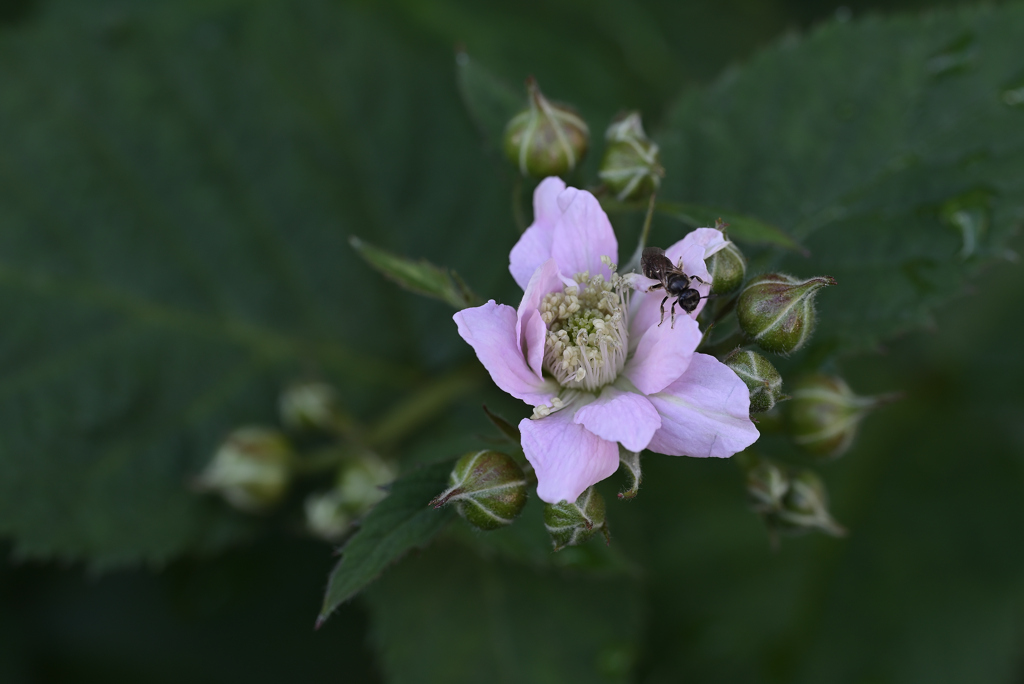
[{"x": 586, "y": 341}]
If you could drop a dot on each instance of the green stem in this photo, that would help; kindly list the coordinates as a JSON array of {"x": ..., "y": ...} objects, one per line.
[
  {"x": 634, "y": 262},
  {"x": 422, "y": 405},
  {"x": 322, "y": 460}
]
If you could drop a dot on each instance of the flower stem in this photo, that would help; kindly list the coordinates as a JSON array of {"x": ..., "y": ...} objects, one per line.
[{"x": 634, "y": 262}]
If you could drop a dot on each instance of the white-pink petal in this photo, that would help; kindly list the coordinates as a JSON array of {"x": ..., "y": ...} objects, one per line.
[
  {"x": 567, "y": 457},
  {"x": 491, "y": 331},
  {"x": 663, "y": 354},
  {"x": 620, "y": 416},
  {"x": 706, "y": 412},
  {"x": 534, "y": 247},
  {"x": 583, "y": 235}
]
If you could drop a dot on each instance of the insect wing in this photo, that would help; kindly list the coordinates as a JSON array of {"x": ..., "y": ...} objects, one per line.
[{"x": 654, "y": 263}]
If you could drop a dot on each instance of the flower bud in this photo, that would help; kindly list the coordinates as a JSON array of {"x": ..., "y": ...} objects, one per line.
[
  {"x": 630, "y": 167},
  {"x": 309, "y": 405},
  {"x": 760, "y": 377},
  {"x": 777, "y": 310},
  {"x": 727, "y": 267},
  {"x": 251, "y": 469},
  {"x": 546, "y": 139},
  {"x": 361, "y": 482},
  {"x": 488, "y": 489},
  {"x": 767, "y": 484},
  {"x": 825, "y": 413},
  {"x": 327, "y": 516},
  {"x": 805, "y": 506},
  {"x": 573, "y": 523}
]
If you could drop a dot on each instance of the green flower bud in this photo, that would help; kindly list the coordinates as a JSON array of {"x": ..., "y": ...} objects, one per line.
[
  {"x": 251, "y": 469},
  {"x": 573, "y": 523},
  {"x": 805, "y": 507},
  {"x": 767, "y": 484},
  {"x": 327, "y": 516},
  {"x": 488, "y": 489},
  {"x": 825, "y": 413},
  {"x": 777, "y": 310},
  {"x": 728, "y": 268},
  {"x": 630, "y": 167},
  {"x": 545, "y": 139},
  {"x": 760, "y": 377},
  {"x": 309, "y": 405},
  {"x": 361, "y": 482}
]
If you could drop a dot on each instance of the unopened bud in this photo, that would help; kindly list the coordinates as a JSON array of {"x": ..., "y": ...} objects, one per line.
[
  {"x": 777, "y": 310},
  {"x": 488, "y": 489},
  {"x": 546, "y": 139},
  {"x": 825, "y": 413},
  {"x": 767, "y": 484},
  {"x": 327, "y": 516},
  {"x": 309, "y": 405},
  {"x": 630, "y": 167},
  {"x": 760, "y": 377},
  {"x": 573, "y": 523},
  {"x": 251, "y": 469},
  {"x": 805, "y": 506},
  {"x": 361, "y": 482},
  {"x": 728, "y": 268}
]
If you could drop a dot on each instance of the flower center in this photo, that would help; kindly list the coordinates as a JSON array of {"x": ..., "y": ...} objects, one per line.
[{"x": 586, "y": 341}]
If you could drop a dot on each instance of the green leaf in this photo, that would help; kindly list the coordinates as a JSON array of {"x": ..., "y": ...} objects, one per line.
[
  {"x": 401, "y": 522},
  {"x": 421, "y": 277},
  {"x": 495, "y": 621},
  {"x": 177, "y": 187},
  {"x": 889, "y": 169},
  {"x": 490, "y": 101}
]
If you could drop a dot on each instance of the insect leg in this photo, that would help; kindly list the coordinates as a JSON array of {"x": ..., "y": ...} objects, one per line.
[
  {"x": 673, "y": 326},
  {"x": 656, "y": 286},
  {"x": 663, "y": 311}
]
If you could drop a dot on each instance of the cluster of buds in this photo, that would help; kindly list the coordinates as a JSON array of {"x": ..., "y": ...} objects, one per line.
[
  {"x": 254, "y": 467},
  {"x": 789, "y": 501},
  {"x": 358, "y": 488}
]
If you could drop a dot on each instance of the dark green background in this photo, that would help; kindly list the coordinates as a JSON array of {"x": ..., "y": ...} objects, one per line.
[{"x": 928, "y": 587}]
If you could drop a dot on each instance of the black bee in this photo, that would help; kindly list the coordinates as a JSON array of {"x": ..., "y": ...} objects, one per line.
[{"x": 656, "y": 265}]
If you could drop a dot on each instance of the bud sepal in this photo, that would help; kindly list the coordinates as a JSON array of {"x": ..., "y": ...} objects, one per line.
[
  {"x": 728, "y": 268},
  {"x": 251, "y": 469},
  {"x": 488, "y": 489},
  {"x": 546, "y": 139},
  {"x": 825, "y": 414},
  {"x": 572, "y": 523},
  {"x": 777, "y": 310},
  {"x": 630, "y": 168},
  {"x": 760, "y": 377}
]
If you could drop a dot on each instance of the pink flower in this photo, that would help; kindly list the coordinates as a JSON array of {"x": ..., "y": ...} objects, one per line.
[{"x": 597, "y": 368}]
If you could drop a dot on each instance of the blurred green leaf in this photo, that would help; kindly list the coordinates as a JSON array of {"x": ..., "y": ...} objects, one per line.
[
  {"x": 851, "y": 140},
  {"x": 401, "y": 522},
  {"x": 177, "y": 187},
  {"x": 448, "y": 616},
  {"x": 421, "y": 277}
]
